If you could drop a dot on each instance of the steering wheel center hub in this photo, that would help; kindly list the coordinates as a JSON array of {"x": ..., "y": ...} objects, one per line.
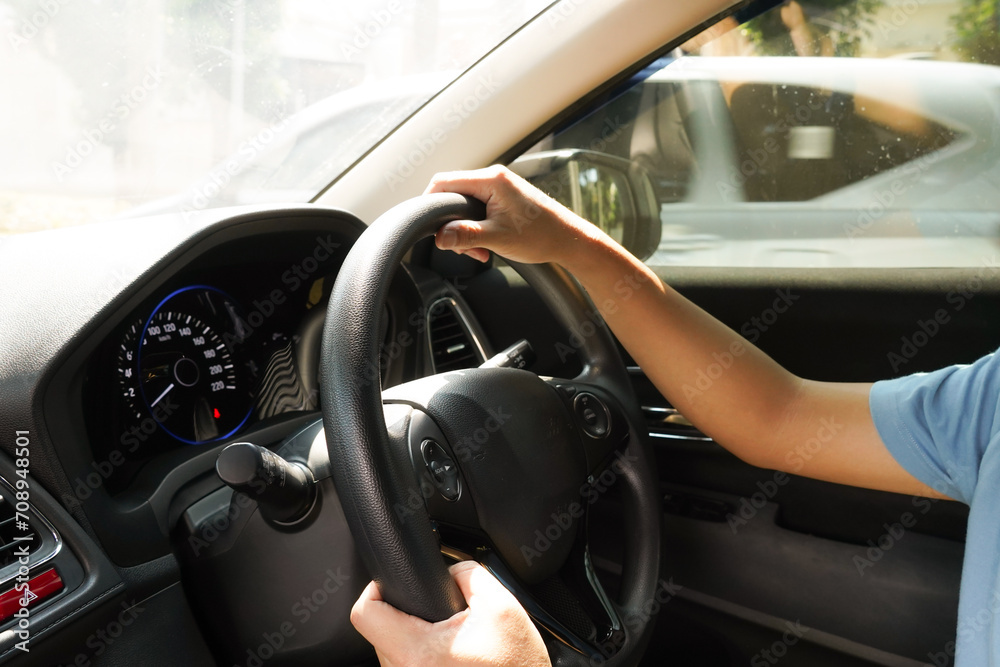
[{"x": 518, "y": 448}]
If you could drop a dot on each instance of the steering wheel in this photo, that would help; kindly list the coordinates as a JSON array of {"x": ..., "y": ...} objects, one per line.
[{"x": 495, "y": 464}]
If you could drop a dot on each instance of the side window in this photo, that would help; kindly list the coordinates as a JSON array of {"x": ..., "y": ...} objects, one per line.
[
  {"x": 804, "y": 142},
  {"x": 847, "y": 134}
]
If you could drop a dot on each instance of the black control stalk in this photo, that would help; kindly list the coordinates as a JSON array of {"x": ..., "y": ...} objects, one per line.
[
  {"x": 518, "y": 355},
  {"x": 283, "y": 490}
]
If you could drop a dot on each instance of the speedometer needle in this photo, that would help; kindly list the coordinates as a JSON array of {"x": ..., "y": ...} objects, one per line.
[{"x": 160, "y": 397}]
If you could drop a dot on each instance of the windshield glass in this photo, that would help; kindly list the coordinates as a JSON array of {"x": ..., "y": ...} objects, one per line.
[{"x": 125, "y": 108}]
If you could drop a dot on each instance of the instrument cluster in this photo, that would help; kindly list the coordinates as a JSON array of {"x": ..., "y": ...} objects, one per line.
[
  {"x": 214, "y": 351},
  {"x": 181, "y": 366}
]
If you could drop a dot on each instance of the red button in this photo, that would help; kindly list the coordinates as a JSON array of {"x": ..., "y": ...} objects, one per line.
[{"x": 37, "y": 589}]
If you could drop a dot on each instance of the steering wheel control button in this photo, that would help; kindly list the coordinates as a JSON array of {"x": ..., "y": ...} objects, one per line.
[
  {"x": 592, "y": 414},
  {"x": 567, "y": 390},
  {"x": 283, "y": 490},
  {"x": 442, "y": 469},
  {"x": 518, "y": 355}
]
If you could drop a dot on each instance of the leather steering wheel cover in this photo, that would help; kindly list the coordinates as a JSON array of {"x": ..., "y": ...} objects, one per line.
[
  {"x": 372, "y": 477},
  {"x": 603, "y": 366}
]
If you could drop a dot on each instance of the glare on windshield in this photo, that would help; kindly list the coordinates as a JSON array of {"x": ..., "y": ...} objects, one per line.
[{"x": 126, "y": 108}]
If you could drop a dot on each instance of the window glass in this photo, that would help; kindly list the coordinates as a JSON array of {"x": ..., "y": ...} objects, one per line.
[
  {"x": 119, "y": 108},
  {"x": 826, "y": 134}
]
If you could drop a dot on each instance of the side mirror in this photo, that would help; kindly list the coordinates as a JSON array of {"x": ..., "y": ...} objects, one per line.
[{"x": 611, "y": 192}]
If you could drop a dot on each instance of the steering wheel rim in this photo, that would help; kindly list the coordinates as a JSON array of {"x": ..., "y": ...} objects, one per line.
[{"x": 374, "y": 478}]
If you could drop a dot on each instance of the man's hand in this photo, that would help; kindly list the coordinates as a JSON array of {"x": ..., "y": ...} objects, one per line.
[
  {"x": 495, "y": 630},
  {"x": 746, "y": 402},
  {"x": 522, "y": 223}
]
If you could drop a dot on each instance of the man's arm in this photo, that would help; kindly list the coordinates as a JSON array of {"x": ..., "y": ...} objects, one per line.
[{"x": 755, "y": 408}]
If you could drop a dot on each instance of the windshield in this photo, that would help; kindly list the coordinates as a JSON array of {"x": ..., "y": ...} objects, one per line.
[{"x": 122, "y": 108}]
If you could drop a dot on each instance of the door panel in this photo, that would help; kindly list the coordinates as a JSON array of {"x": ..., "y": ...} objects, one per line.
[{"x": 834, "y": 558}]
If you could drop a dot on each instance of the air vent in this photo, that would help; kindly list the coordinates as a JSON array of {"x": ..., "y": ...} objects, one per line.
[
  {"x": 14, "y": 533},
  {"x": 452, "y": 345}
]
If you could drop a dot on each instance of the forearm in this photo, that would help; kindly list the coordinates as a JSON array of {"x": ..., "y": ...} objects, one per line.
[
  {"x": 722, "y": 383},
  {"x": 725, "y": 385}
]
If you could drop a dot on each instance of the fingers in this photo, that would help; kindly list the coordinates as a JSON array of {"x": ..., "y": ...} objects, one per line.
[
  {"x": 494, "y": 630},
  {"x": 478, "y": 183},
  {"x": 480, "y": 588},
  {"x": 463, "y": 573},
  {"x": 521, "y": 224},
  {"x": 497, "y": 624},
  {"x": 466, "y": 237},
  {"x": 385, "y": 627},
  {"x": 480, "y": 254},
  {"x": 367, "y": 612},
  {"x": 371, "y": 592},
  {"x": 461, "y": 235}
]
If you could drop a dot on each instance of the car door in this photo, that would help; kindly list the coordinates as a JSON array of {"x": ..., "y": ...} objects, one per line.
[{"x": 838, "y": 213}]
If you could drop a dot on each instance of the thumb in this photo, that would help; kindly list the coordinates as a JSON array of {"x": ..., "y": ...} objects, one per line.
[
  {"x": 480, "y": 588},
  {"x": 384, "y": 626},
  {"x": 466, "y": 237},
  {"x": 460, "y": 235}
]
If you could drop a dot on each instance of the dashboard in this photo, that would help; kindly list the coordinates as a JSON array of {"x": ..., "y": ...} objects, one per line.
[
  {"x": 213, "y": 342},
  {"x": 223, "y": 345},
  {"x": 157, "y": 344}
]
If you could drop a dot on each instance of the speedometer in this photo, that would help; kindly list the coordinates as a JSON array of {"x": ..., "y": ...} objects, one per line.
[
  {"x": 189, "y": 378},
  {"x": 126, "y": 365}
]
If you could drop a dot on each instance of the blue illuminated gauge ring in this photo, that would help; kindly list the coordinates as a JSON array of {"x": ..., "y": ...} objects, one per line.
[{"x": 189, "y": 378}]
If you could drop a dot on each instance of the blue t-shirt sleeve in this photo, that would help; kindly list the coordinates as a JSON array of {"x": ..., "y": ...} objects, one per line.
[{"x": 938, "y": 425}]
